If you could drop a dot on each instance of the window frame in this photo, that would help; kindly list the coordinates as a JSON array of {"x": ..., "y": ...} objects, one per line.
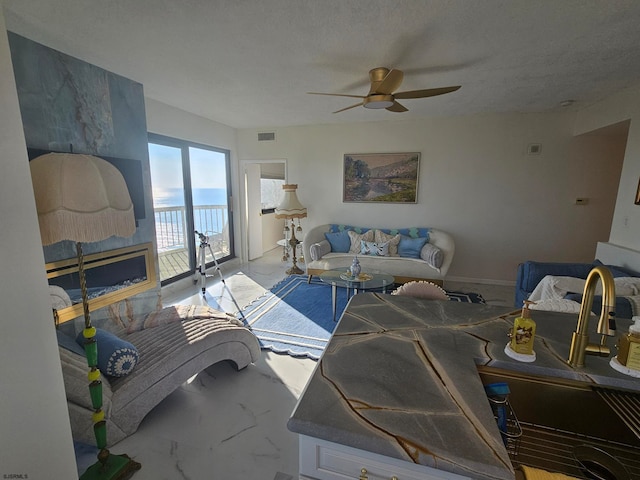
[{"x": 184, "y": 146}]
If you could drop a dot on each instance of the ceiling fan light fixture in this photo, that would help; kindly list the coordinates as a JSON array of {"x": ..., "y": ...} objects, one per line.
[
  {"x": 378, "y": 101},
  {"x": 382, "y": 92}
]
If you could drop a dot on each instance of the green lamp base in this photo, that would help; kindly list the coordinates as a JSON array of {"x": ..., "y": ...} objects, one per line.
[{"x": 111, "y": 467}]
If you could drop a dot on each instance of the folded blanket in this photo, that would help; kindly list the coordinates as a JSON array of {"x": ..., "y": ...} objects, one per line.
[
  {"x": 634, "y": 301},
  {"x": 556, "y": 287},
  {"x": 557, "y": 305}
]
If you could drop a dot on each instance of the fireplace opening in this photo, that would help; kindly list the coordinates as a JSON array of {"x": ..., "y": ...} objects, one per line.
[{"x": 111, "y": 276}]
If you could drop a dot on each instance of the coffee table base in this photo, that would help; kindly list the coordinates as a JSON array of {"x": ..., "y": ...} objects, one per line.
[{"x": 334, "y": 296}]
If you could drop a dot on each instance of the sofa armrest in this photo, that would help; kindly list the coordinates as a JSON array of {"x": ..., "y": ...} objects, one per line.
[
  {"x": 444, "y": 242},
  {"x": 530, "y": 273},
  {"x": 314, "y": 235},
  {"x": 318, "y": 250},
  {"x": 534, "y": 272}
]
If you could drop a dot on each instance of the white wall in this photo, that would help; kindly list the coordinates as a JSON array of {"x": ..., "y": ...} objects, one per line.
[
  {"x": 476, "y": 181},
  {"x": 35, "y": 438},
  {"x": 625, "y": 229}
]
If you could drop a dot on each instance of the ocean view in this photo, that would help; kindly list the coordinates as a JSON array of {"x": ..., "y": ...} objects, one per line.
[
  {"x": 169, "y": 215},
  {"x": 174, "y": 197}
]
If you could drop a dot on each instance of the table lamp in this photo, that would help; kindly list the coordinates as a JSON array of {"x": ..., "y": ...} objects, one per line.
[
  {"x": 83, "y": 198},
  {"x": 290, "y": 209}
]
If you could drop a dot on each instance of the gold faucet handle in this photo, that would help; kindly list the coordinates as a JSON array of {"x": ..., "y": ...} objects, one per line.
[{"x": 599, "y": 349}]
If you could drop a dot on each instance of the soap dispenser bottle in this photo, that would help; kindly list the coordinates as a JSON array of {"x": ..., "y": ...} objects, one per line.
[
  {"x": 629, "y": 346},
  {"x": 524, "y": 331}
]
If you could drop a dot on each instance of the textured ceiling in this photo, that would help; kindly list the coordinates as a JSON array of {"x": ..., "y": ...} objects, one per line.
[{"x": 249, "y": 63}]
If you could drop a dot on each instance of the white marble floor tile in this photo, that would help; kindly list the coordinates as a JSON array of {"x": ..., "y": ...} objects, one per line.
[
  {"x": 224, "y": 424},
  {"x": 230, "y": 425}
]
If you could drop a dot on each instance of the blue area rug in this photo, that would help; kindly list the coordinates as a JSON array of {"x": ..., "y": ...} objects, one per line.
[
  {"x": 295, "y": 317},
  {"x": 465, "y": 297}
]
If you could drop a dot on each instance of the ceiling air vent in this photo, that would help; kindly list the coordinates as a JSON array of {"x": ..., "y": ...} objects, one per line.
[{"x": 266, "y": 136}]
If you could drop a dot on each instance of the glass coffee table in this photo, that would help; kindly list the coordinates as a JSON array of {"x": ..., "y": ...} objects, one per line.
[{"x": 369, "y": 280}]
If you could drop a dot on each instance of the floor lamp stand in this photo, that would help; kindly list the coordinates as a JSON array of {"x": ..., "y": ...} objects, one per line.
[
  {"x": 108, "y": 466},
  {"x": 293, "y": 243}
]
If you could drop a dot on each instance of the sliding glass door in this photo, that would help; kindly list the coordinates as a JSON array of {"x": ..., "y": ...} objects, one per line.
[{"x": 191, "y": 192}]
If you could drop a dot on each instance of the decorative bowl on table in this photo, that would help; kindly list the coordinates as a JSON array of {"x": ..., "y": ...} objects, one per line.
[{"x": 362, "y": 277}]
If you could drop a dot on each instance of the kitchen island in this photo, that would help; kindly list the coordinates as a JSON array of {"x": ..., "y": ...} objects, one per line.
[{"x": 398, "y": 385}]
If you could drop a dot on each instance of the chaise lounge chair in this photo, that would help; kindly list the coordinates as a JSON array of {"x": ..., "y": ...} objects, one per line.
[{"x": 168, "y": 355}]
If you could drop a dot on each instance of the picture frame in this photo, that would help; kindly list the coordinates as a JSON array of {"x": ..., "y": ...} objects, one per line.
[{"x": 381, "y": 177}]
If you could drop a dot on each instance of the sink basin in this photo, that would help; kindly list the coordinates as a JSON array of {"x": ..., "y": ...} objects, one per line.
[{"x": 571, "y": 427}]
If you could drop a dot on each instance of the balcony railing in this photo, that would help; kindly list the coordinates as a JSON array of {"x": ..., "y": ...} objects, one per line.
[
  {"x": 171, "y": 227},
  {"x": 171, "y": 224}
]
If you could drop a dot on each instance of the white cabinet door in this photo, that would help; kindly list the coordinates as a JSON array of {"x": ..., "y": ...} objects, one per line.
[{"x": 324, "y": 460}]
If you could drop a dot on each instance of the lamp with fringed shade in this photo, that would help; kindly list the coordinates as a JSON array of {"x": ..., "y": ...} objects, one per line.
[
  {"x": 290, "y": 208},
  {"x": 83, "y": 198}
]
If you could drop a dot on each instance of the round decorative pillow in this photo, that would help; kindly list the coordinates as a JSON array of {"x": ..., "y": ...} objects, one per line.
[{"x": 116, "y": 357}]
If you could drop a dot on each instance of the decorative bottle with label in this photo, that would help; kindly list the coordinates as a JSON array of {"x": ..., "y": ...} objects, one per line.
[
  {"x": 355, "y": 267},
  {"x": 629, "y": 346},
  {"x": 524, "y": 332}
]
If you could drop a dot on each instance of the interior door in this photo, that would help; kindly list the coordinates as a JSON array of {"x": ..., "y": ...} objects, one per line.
[{"x": 254, "y": 210}]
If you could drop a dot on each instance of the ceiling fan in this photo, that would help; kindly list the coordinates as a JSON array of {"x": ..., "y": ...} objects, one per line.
[{"x": 383, "y": 84}]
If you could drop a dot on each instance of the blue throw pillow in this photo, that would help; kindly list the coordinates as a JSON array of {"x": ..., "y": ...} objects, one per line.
[
  {"x": 116, "y": 357},
  {"x": 410, "y": 247},
  {"x": 339, "y": 241}
]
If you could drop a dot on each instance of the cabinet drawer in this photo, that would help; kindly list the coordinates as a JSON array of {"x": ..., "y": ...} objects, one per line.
[{"x": 331, "y": 461}]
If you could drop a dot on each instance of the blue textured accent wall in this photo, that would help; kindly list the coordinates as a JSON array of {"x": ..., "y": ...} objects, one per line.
[
  {"x": 68, "y": 103},
  {"x": 65, "y": 101}
]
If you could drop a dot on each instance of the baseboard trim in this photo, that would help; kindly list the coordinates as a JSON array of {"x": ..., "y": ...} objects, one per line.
[{"x": 484, "y": 281}]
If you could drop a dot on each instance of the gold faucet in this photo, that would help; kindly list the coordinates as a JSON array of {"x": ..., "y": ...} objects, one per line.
[{"x": 580, "y": 345}]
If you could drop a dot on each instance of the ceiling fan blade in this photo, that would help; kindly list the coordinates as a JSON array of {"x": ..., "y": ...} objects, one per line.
[
  {"x": 336, "y": 95},
  {"x": 396, "y": 107},
  {"x": 390, "y": 83},
  {"x": 430, "y": 92},
  {"x": 347, "y": 108}
]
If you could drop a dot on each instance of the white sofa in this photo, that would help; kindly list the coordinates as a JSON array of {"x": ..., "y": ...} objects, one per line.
[{"x": 402, "y": 268}]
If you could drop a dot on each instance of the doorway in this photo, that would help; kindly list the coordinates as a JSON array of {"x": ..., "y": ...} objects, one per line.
[{"x": 263, "y": 180}]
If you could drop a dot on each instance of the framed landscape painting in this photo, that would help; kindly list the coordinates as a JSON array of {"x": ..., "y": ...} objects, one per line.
[{"x": 381, "y": 177}]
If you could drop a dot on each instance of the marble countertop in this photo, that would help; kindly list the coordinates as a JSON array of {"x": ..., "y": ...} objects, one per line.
[{"x": 399, "y": 378}]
